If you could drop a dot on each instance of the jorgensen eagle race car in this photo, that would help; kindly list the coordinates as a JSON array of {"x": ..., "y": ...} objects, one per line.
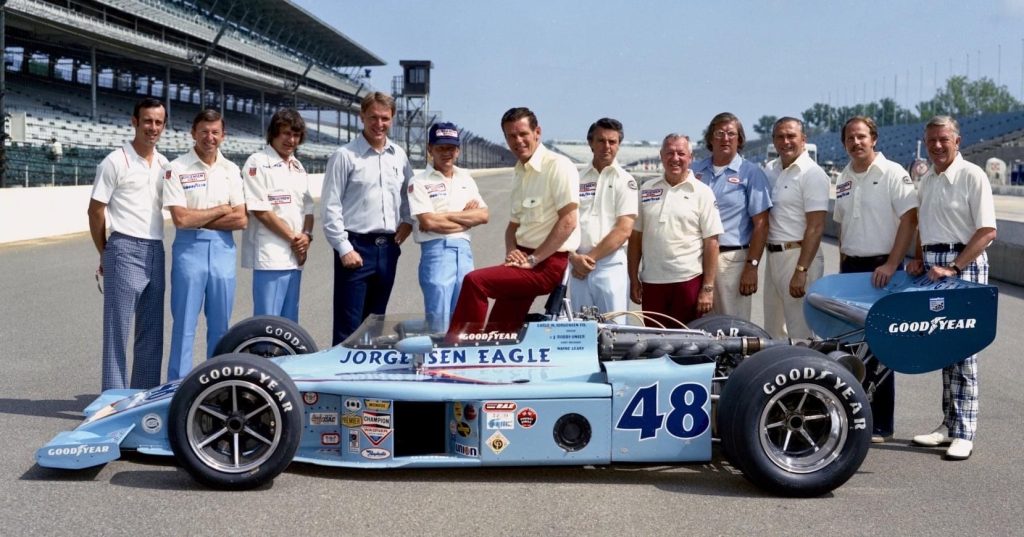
[{"x": 793, "y": 416}]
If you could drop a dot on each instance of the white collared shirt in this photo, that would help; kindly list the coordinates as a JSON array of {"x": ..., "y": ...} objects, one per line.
[
  {"x": 955, "y": 203},
  {"x": 132, "y": 189},
  {"x": 797, "y": 190},
  {"x": 869, "y": 206},
  {"x": 282, "y": 187},
  {"x": 431, "y": 192},
  {"x": 543, "y": 185},
  {"x": 189, "y": 182},
  {"x": 604, "y": 197}
]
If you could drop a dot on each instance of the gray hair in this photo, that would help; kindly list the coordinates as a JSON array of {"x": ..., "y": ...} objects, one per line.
[
  {"x": 673, "y": 136},
  {"x": 944, "y": 121}
]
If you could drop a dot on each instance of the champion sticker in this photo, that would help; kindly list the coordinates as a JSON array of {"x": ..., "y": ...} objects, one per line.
[
  {"x": 151, "y": 423},
  {"x": 378, "y": 419},
  {"x": 497, "y": 442}
]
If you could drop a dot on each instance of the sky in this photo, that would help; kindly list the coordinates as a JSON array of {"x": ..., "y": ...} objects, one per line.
[{"x": 669, "y": 66}]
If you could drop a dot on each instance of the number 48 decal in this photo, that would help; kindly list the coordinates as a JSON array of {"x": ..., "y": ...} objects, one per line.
[{"x": 687, "y": 419}]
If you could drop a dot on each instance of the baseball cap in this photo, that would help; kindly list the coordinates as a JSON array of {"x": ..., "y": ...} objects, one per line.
[{"x": 443, "y": 134}]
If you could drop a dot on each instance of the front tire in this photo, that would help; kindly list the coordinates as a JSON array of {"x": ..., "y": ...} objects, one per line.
[
  {"x": 795, "y": 422},
  {"x": 235, "y": 422},
  {"x": 267, "y": 336}
]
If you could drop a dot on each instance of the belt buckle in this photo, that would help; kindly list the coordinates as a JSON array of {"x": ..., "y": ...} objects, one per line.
[{"x": 380, "y": 241}]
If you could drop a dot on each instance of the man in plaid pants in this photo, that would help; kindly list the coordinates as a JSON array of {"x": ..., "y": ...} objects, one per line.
[{"x": 957, "y": 222}]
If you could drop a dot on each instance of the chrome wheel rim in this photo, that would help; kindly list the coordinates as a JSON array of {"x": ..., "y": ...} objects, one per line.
[
  {"x": 267, "y": 347},
  {"x": 234, "y": 426},
  {"x": 803, "y": 428}
]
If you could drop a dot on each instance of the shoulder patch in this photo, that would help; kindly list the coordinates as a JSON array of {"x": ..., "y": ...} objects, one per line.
[
  {"x": 631, "y": 184},
  {"x": 167, "y": 174},
  {"x": 411, "y": 188},
  {"x": 252, "y": 171},
  {"x": 907, "y": 180}
]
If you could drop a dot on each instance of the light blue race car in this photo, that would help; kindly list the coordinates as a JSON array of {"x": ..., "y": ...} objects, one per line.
[{"x": 793, "y": 416}]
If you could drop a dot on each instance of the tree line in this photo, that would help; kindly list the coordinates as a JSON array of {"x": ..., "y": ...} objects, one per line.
[{"x": 960, "y": 97}]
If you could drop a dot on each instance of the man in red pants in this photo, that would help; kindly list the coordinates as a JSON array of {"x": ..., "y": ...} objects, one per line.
[{"x": 540, "y": 234}]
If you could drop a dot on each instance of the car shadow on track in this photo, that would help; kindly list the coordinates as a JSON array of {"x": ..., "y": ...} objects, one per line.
[{"x": 69, "y": 409}]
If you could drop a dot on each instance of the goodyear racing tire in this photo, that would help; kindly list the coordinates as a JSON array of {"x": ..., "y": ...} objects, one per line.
[
  {"x": 728, "y": 325},
  {"x": 795, "y": 422},
  {"x": 235, "y": 422},
  {"x": 267, "y": 336}
]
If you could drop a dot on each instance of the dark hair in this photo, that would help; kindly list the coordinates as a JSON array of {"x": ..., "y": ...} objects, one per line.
[
  {"x": 606, "y": 123},
  {"x": 517, "y": 113},
  {"x": 787, "y": 119},
  {"x": 208, "y": 115},
  {"x": 148, "y": 102},
  {"x": 286, "y": 118},
  {"x": 872, "y": 127},
  {"x": 376, "y": 97},
  {"x": 725, "y": 117}
]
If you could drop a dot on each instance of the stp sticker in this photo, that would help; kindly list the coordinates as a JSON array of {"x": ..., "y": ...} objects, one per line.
[
  {"x": 526, "y": 418},
  {"x": 497, "y": 442},
  {"x": 310, "y": 398}
]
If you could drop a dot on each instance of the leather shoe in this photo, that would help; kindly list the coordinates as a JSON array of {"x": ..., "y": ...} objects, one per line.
[
  {"x": 937, "y": 437},
  {"x": 880, "y": 438},
  {"x": 959, "y": 450}
]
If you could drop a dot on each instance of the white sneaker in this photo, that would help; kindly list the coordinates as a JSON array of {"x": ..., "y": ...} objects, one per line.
[
  {"x": 937, "y": 437},
  {"x": 960, "y": 449}
]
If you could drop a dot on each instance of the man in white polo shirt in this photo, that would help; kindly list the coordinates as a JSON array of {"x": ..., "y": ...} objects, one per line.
[
  {"x": 608, "y": 207},
  {"x": 675, "y": 238},
  {"x": 795, "y": 224},
  {"x": 445, "y": 201},
  {"x": 128, "y": 188},
  {"x": 204, "y": 194},
  {"x": 276, "y": 241},
  {"x": 876, "y": 209},
  {"x": 957, "y": 223}
]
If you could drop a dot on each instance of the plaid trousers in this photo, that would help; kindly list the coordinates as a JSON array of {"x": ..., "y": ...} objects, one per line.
[
  {"x": 133, "y": 287},
  {"x": 960, "y": 380}
]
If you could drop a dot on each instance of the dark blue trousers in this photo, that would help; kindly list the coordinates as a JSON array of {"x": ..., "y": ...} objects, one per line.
[{"x": 361, "y": 291}]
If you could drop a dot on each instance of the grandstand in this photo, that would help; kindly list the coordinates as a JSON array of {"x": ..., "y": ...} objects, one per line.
[{"x": 74, "y": 68}]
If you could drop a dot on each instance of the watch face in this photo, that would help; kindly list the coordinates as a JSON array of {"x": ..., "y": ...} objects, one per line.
[{"x": 754, "y": 262}]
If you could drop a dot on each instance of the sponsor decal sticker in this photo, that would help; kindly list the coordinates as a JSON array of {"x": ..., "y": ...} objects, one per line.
[
  {"x": 352, "y": 421},
  {"x": 499, "y": 406},
  {"x": 78, "y": 451},
  {"x": 378, "y": 419},
  {"x": 527, "y": 417},
  {"x": 501, "y": 420},
  {"x": 497, "y": 442},
  {"x": 936, "y": 323},
  {"x": 457, "y": 409},
  {"x": 452, "y": 427},
  {"x": 490, "y": 336},
  {"x": 353, "y": 442},
  {"x": 317, "y": 419},
  {"x": 375, "y": 453},
  {"x": 330, "y": 439},
  {"x": 151, "y": 423},
  {"x": 937, "y": 304},
  {"x": 466, "y": 451},
  {"x": 470, "y": 412},
  {"x": 375, "y": 434},
  {"x": 464, "y": 429},
  {"x": 310, "y": 398},
  {"x": 378, "y": 404},
  {"x": 353, "y": 404}
]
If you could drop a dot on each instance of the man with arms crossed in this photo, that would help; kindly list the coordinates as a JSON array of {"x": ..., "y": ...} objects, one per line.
[
  {"x": 676, "y": 239},
  {"x": 608, "y": 207},
  {"x": 795, "y": 224},
  {"x": 128, "y": 188},
  {"x": 957, "y": 223},
  {"x": 445, "y": 201},
  {"x": 540, "y": 234},
  {"x": 366, "y": 216},
  {"x": 278, "y": 197},
  {"x": 741, "y": 190},
  {"x": 876, "y": 209},
  {"x": 203, "y": 191}
]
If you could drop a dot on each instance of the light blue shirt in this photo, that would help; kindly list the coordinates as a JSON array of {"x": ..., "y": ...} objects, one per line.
[
  {"x": 741, "y": 191},
  {"x": 364, "y": 191}
]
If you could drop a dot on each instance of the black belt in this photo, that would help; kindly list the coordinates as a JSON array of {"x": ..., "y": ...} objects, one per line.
[
  {"x": 944, "y": 247},
  {"x": 784, "y": 246},
  {"x": 723, "y": 249},
  {"x": 379, "y": 239},
  {"x": 882, "y": 258}
]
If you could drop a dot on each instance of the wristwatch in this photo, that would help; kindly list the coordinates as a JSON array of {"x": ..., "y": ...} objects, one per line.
[
  {"x": 708, "y": 288},
  {"x": 754, "y": 262},
  {"x": 531, "y": 260},
  {"x": 801, "y": 268},
  {"x": 955, "y": 269}
]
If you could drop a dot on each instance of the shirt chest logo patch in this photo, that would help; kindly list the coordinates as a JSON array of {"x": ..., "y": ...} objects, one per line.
[
  {"x": 734, "y": 180},
  {"x": 280, "y": 199},
  {"x": 588, "y": 190},
  {"x": 192, "y": 181},
  {"x": 651, "y": 195},
  {"x": 436, "y": 190}
]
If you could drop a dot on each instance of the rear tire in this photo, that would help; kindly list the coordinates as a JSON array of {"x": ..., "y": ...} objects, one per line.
[
  {"x": 795, "y": 422},
  {"x": 267, "y": 336},
  {"x": 728, "y": 325},
  {"x": 235, "y": 422}
]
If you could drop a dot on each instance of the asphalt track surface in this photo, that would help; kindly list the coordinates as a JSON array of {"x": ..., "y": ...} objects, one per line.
[{"x": 50, "y": 336}]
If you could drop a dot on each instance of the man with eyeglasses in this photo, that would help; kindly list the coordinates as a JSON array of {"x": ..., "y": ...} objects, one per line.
[
  {"x": 795, "y": 224},
  {"x": 741, "y": 189}
]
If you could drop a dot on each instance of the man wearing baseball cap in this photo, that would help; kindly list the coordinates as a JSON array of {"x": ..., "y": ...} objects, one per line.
[{"x": 446, "y": 203}]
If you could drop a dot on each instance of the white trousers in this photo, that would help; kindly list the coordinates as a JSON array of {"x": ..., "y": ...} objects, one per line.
[
  {"x": 728, "y": 299},
  {"x": 607, "y": 286},
  {"x": 783, "y": 314}
]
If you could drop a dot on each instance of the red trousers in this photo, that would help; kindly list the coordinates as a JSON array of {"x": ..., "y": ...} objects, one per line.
[
  {"x": 677, "y": 300},
  {"x": 513, "y": 290}
]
